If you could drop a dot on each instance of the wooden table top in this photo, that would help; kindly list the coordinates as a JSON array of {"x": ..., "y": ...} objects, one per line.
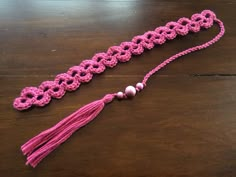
[{"x": 182, "y": 125}]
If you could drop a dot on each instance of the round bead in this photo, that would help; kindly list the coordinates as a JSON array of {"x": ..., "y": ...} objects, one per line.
[
  {"x": 130, "y": 91},
  {"x": 120, "y": 95},
  {"x": 139, "y": 86}
]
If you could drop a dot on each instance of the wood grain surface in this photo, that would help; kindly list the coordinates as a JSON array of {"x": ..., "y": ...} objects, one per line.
[{"x": 182, "y": 125}]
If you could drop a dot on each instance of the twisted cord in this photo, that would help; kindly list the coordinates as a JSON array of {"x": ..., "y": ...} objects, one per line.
[{"x": 187, "y": 51}]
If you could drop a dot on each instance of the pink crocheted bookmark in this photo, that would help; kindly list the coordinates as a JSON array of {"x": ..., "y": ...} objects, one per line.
[
  {"x": 76, "y": 75},
  {"x": 41, "y": 145}
]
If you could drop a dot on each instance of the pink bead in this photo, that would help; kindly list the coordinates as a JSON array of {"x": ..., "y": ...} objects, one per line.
[
  {"x": 120, "y": 95},
  {"x": 130, "y": 91},
  {"x": 139, "y": 86}
]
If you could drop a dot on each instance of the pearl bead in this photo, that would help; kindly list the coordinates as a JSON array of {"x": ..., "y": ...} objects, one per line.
[
  {"x": 139, "y": 86},
  {"x": 130, "y": 91},
  {"x": 120, "y": 95}
]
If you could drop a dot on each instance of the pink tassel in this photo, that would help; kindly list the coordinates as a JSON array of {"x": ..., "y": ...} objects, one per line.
[{"x": 41, "y": 145}]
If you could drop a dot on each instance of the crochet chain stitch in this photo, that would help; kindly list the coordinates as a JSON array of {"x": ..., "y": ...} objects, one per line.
[{"x": 71, "y": 80}]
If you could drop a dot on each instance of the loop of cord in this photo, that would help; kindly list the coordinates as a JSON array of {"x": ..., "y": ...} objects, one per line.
[{"x": 71, "y": 80}]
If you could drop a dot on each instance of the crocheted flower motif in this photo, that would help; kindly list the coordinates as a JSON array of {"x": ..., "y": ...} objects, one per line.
[
  {"x": 66, "y": 81},
  {"x": 53, "y": 89},
  {"x": 119, "y": 54}
]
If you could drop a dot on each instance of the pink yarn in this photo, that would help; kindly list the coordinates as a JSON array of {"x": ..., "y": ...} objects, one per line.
[
  {"x": 41, "y": 145},
  {"x": 71, "y": 80}
]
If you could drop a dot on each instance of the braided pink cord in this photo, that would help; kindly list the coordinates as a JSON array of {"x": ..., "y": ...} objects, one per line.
[
  {"x": 185, "y": 52},
  {"x": 71, "y": 80}
]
